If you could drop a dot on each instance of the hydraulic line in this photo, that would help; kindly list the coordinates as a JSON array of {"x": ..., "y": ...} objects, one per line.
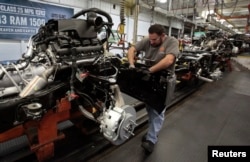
[
  {"x": 25, "y": 82},
  {"x": 11, "y": 79},
  {"x": 20, "y": 66},
  {"x": 122, "y": 17}
]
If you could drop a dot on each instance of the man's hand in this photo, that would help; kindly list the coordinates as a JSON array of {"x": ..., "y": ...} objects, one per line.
[
  {"x": 146, "y": 73},
  {"x": 145, "y": 70},
  {"x": 131, "y": 66}
]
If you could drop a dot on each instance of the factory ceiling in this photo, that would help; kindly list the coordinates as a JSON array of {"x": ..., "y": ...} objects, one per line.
[
  {"x": 230, "y": 15},
  {"x": 225, "y": 14}
]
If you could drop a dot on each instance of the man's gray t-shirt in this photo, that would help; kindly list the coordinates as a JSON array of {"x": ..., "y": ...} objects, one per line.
[{"x": 155, "y": 54}]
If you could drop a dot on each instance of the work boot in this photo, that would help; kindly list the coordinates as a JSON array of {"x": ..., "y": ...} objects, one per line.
[
  {"x": 148, "y": 146},
  {"x": 144, "y": 137}
]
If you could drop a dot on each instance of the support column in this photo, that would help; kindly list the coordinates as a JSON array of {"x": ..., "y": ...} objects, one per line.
[
  {"x": 170, "y": 27},
  {"x": 136, "y": 14},
  {"x": 248, "y": 20}
]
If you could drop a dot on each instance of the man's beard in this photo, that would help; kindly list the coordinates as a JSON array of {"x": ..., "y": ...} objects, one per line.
[{"x": 157, "y": 45}]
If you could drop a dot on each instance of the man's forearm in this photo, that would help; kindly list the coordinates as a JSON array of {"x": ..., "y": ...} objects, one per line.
[
  {"x": 163, "y": 64},
  {"x": 131, "y": 56},
  {"x": 159, "y": 66}
]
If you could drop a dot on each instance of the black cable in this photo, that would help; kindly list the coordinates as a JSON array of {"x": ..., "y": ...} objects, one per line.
[
  {"x": 231, "y": 5},
  {"x": 234, "y": 8}
]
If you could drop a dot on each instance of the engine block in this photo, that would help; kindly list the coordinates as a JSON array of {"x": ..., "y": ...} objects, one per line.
[{"x": 64, "y": 72}]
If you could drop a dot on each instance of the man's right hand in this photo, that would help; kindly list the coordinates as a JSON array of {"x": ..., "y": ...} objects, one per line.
[{"x": 131, "y": 66}]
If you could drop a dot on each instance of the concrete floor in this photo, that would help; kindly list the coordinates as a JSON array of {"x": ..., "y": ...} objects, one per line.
[
  {"x": 243, "y": 60},
  {"x": 217, "y": 114}
]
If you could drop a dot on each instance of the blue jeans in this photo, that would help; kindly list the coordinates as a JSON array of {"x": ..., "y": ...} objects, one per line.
[{"x": 155, "y": 121}]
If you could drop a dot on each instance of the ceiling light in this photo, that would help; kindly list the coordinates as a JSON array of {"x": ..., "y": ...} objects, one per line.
[
  {"x": 222, "y": 20},
  {"x": 162, "y": 1}
]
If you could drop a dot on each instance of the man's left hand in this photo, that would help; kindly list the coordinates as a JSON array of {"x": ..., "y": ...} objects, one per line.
[{"x": 146, "y": 72}]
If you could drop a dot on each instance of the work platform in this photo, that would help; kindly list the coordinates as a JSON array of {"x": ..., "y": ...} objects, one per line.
[{"x": 216, "y": 114}]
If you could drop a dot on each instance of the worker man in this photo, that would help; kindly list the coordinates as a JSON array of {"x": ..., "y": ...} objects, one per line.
[{"x": 162, "y": 52}]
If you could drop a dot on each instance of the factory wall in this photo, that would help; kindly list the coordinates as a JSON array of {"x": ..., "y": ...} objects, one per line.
[{"x": 13, "y": 49}]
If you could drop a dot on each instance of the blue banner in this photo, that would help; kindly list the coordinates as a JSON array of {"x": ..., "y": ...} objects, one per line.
[{"x": 21, "y": 19}]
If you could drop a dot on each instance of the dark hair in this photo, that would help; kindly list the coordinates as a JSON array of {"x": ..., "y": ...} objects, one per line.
[{"x": 156, "y": 28}]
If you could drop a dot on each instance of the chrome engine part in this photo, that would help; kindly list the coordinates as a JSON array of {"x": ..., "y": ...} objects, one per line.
[
  {"x": 216, "y": 75},
  {"x": 202, "y": 65},
  {"x": 66, "y": 58}
]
